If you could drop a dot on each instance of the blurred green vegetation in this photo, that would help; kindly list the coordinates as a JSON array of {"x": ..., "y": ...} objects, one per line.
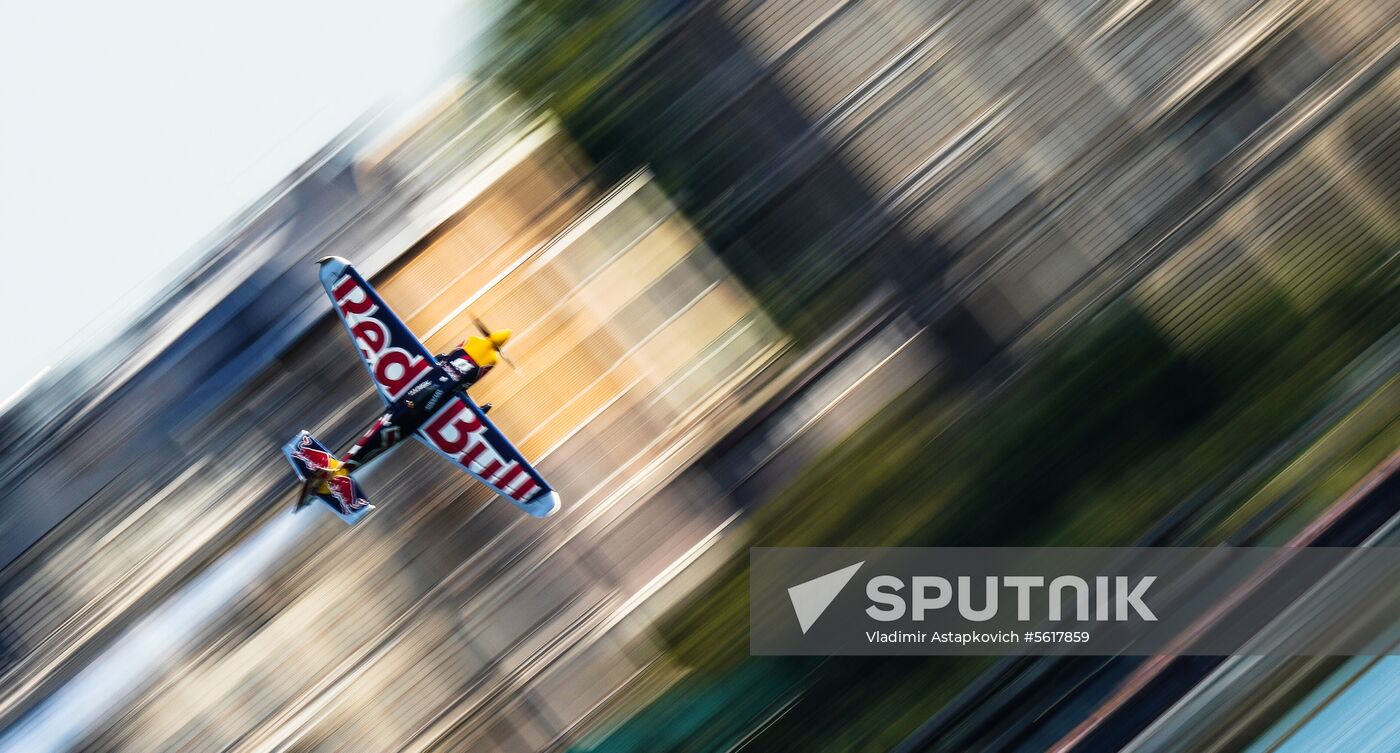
[
  {"x": 1322, "y": 473},
  {"x": 1104, "y": 433},
  {"x": 1093, "y": 444},
  {"x": 696, "y": 114},
  {"x": 559, "y": 53}
]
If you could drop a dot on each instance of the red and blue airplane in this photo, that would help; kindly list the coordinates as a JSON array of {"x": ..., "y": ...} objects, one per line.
[{"x": 424, "y": 395}]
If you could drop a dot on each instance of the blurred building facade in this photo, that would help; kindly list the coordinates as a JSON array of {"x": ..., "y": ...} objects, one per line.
[
  {"x": 443, "y": 622},
  {"x": 1221, "y": 173},
  {"x": 1010, "y": 164}
]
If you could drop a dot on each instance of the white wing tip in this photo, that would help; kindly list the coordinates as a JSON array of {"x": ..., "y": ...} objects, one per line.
[
  {"x": 332, "y": 267},
  {"x": 546, "y": 505}
]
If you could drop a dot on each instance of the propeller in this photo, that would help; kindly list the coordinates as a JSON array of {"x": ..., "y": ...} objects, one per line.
[{"x": 486, "y": 333}]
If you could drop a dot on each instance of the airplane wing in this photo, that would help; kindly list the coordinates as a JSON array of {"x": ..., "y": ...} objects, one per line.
[
  {"x": 463, "y": 434},
  {"x": 394, "y": 357}
]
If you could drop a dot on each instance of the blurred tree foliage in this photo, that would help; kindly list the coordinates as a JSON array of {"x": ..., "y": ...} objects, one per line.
[
  {"x": 1092, "y": 445},
  {"x": 559, "y": 53},
  {"x": 691, "y": 103},
  {"x": 1099, "y": 438}
]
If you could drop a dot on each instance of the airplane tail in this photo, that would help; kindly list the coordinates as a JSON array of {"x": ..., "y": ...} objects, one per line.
[{"x": 323, "y": 477}]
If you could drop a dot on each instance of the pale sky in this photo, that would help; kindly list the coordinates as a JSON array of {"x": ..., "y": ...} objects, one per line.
[{"x": 129, "y": 131}]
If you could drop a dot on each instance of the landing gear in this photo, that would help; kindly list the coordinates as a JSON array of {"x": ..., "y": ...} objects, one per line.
[{"x": 485, "y": 408}]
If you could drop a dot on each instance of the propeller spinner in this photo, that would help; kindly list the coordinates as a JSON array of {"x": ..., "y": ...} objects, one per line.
[{"x": 486, "y": 333}]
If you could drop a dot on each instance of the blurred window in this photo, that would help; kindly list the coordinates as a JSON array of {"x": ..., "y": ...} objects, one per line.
[
  {"x": 1225, "y": 120},
  {"x": 1293, "y": 64},
  {"x": 1148, "y": 46},
  {"x": 1245, "y": 102}
]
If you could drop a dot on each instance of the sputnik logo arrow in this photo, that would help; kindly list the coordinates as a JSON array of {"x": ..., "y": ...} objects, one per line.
[{"x": 811, "y": 598}]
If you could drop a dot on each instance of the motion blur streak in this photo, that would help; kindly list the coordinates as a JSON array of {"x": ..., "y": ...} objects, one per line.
[
  {"x": 781, "y": 272},
  {"x": 63, "y": 718},
  {"x": 1358, "y": 712}
]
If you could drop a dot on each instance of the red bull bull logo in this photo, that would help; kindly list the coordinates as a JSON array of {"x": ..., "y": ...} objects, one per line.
[
  {"x": 345, "y": 494},
  {"x": 314, "y": 458}
]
